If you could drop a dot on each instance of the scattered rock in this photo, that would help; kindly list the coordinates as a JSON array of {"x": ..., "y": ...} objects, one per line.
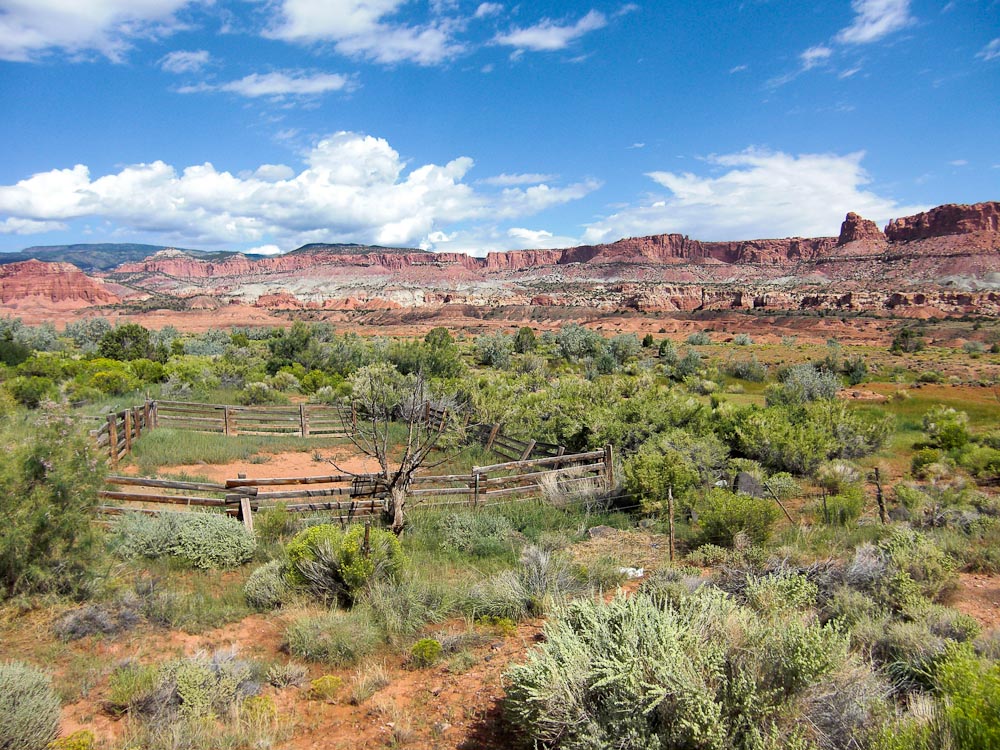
[{"x": 601, "y": 532}]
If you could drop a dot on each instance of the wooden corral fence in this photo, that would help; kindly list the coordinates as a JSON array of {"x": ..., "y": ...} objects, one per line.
[
  {"x": 302, "y": 420},
  {"x": 120, "y": 429},
  {"x": 348, "y": 496},
  {"x": 492, "y": 438}
]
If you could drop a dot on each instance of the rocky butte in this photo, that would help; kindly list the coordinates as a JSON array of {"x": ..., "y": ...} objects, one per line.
[{"x": 943, "y": 261}]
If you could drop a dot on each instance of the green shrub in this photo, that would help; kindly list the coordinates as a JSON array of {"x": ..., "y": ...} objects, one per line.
[
  {"x": 31, "y": 390},
  {"x": 922, "y": 459},
  {"x": 846, "y": 508},
  {"x": 478, "y": 533},
  {"x": 971, "y": 686},
  {"x": 541, "y": 580},
  {"x": 267, "y": 587},
  {"x": 79, "y": 740},
  {"x": 947, "y": 428},
  {"x": 701, "y": 673},
  {"x": 325, "y": 688},
  {"x": 699, "y": 338},
  {"x": 335, "y": 565},
  {"x": 201, "y": 540},
  {"x": 723, "y": 514},
  {"x": 777, "y": 593},
  {"x": 404, "y": 605},
  {"x": 196, "y": 687},
  {"x": 425, "y": 653},
  {"x": 336, "y": 638},
  {"x": 284, "y": 674},
  {"x": 49, "y": 478},
  {"x": 29, "y": 708},
  {"x": 130, "y": 685}
]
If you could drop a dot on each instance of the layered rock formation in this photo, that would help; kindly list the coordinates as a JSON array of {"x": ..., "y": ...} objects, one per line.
[
  {"x": 858, "y": 229},
  {"x": 943, "y": 261},
  {"x": 34, "y": 282},
  {"x": 946, "y": 220}
]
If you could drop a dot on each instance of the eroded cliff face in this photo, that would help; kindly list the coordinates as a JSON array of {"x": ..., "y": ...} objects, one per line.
[
  {"x": 34, "y": 281},
  {"x": 946, "y": 220},
  {"x": 943, "y": 261}
]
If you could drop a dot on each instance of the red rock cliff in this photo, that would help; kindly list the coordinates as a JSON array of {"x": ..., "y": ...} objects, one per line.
[
  {"x": 944, "y": 220},
  {"x": 59, "y": 283}
]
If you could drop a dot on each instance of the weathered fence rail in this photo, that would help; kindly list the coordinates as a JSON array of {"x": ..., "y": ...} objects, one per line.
[
  {"x": 120, "y": 429},
  {"x": 347, "y": 496},
  {"x": 302, "y": 420}
]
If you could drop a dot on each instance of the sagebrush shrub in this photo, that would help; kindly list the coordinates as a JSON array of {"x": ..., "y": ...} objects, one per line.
[
  {"x": 479, "y": 533},
  {"x": 194, "y": 687},
  {"x": 202, "y": 540},
  {"x": 704, "y": 672},
  {"x": 267, "y": 587},
  {"x": 337, "y": 638},
  {"x": 403, "y": 606},
  {"x": 29, "y": 708},
  {"x": 724, "y": 514}
]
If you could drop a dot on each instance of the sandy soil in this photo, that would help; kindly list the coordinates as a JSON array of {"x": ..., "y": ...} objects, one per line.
[{"x": 979, "y": 597}]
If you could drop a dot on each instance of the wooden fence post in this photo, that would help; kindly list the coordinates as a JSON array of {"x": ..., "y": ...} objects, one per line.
[
  {"x": 475, "y": 489},
  {"x": 879, "y": 497},
  {"x": 609, "y": 466},
  {"x": 527, "y": 450},
  {"x": 303, "y": 422},
  {"x": 147, "y": 414},
  {"x": 113, "y": 438},
  {"x": 493, "y": 436},
  {"x": 225, "y": 421},
  {"x": 155, "y": 409},
  {"x": 137, "y": 422},
  {"x": 128, "y": 430},
  {"x": 670, "y": 516}
]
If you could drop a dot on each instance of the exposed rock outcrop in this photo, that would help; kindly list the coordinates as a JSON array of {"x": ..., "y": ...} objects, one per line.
[
  {"x": 47, "y": 284},
  {"x": 944, "y": 220},
  {"x": 858, "y": 229}
]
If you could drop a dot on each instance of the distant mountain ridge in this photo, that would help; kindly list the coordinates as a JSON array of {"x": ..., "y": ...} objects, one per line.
[
  {"x": 943, "y": 261},
  {"x": 101, "y": 256}
]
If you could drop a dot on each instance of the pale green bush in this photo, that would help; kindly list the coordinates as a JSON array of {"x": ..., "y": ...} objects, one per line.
[
  {"x": 702, "y": 672},
  {"x": 29, "y": 708},
  {"x": 479, "y": 533},
  {"x": 266, "y": 588},
  {"x": 337, "y": 638},
  {"x": 202, "y": 540}
]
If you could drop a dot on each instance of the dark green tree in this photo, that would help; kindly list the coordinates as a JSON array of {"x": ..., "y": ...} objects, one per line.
[{"x": 127, "y": 342}]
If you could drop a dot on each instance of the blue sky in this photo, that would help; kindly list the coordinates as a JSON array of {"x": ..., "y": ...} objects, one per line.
[{"x": 475, "y": 126}]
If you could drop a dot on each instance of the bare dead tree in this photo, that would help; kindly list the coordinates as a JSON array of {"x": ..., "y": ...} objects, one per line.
[{"x": 386, "y": 420}]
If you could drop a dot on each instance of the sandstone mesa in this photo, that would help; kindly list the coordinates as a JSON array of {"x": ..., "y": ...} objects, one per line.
[{"x": 945, "y": 261}]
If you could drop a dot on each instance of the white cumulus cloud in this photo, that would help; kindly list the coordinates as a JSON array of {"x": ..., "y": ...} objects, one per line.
[
  {"x": 549, "y": 35},
  {"x": 363, "y": 28},
  {"x": 32, "y": 28},
  {"x": 760, "y": 193},
  {"x": 488, "y": 9},
  {"x": 351, "y": 188},
  {"x": 875, "y": 19}
]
